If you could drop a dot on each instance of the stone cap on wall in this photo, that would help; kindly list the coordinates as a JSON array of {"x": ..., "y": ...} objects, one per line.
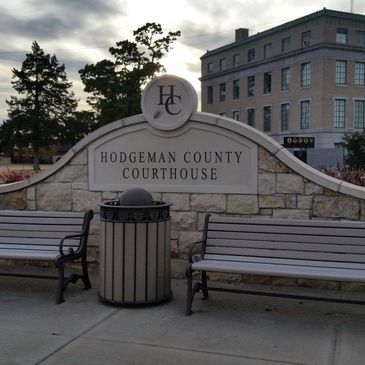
[{"x": 256, "y": 136}]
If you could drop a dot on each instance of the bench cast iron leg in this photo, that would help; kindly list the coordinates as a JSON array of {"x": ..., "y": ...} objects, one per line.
[
  {"x": 85, "y": 274},
  {"x": 192, "y": 290},
  {"x": 189, "y": 297},
  {"x": 204, "y": 286},
  {"x": 61, "y": 281}
]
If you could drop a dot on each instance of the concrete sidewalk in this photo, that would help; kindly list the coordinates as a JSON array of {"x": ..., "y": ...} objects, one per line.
[{"x": 227, "y": 329}]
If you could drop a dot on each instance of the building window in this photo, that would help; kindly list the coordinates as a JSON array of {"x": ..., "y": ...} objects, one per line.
[
  {"x": 236, "y": 115},
  {"x": 305, "y": 79},
  {"x": 251, "y": 55},
  {"x": 251, "y": 86},
  {"x": 304, "y": 114},
  {"x": 360, "y": 74},
  {"x": 251, "y": 117},
  {"x": 339, "y": 120},
  {"x": 210, "y": 95},
  {"x": 210, "y": 67},
  {"x": 267, "y": 118},
  {"x": 222, "y": 92},
  {"x": 285, "y": 78},
  {"x": 306, "y": 38},
  {"x": 284, "y": 116},
  {"x": 341, "y": 35},
  {"x": 222, "y": 64},
  {"x": 267, "y": 82},
  {"x": 236, "y": 89},
  {"x": 360, "y": 38},
  {"x": 236, "y": 60},
  {"x": 341, "y": 70},
  {"x": 359, "y": 114},
  {"x": 267, "y": 50},
  {"x": 285, "y": 45}
]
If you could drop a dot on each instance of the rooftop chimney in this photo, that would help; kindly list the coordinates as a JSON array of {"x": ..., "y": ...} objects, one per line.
[{"x": 241, "y": 33}]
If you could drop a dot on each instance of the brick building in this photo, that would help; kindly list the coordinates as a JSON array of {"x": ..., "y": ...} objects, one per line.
[{"x": 303, "y": 79}]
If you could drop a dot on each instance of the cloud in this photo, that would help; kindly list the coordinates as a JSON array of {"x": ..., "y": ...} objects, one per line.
[
  {"x": 193, "y": 67},
  {"x": 204, "y": 37},
  {"x": 14, "y": 57},
  {"x": 89, "y": 21},
  {"x": 48, "y": 26},
  {"x": 79, "y": 9}
]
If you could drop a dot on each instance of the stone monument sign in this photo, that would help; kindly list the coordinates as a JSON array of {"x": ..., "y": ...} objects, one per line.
[{"x": 170, "y": 150}]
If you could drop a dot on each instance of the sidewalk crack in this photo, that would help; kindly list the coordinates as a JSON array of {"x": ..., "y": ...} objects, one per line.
[
  {"x": 335, "y": 341},
  {"x": 46, "y": 357}
]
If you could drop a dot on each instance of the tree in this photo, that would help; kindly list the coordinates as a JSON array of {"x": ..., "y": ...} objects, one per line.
[
  {"x": 77, "y": 127},
  {"x": 355, "y": 146},
  {"x": 7, "y": 135},
  {"x": 44, "y": 105},
  {"x": 116, "y": 85}
]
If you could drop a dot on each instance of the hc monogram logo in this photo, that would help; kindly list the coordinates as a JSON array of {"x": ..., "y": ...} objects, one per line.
[{"x": 169, "y": 99}]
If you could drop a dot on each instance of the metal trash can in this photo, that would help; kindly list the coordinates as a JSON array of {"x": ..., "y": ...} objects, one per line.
[{"x": 135, "y": 249}]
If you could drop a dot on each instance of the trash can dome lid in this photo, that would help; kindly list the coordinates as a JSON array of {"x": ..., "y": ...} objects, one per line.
[{"x": 136, "y": 197}]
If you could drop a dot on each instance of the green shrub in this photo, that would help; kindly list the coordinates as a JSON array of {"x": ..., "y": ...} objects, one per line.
[{"x": 355, "y": 146}]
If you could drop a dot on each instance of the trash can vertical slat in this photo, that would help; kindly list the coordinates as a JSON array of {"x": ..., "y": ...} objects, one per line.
[
  {"x": 141, "y": 263},
  {"x": 161, "y": 260},
  {"x": 167, "y": 254},
  {"x": 109, "y": 247},
  {"x": 118, "y": 260},
  {"x": 152, "y": 261},
  {"x": 102, "y": 259},
  {"x": 129, "y": 262}
]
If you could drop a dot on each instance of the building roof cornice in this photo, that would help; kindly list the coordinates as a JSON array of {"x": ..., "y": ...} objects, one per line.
[
  {"x": 313, "y": 48},
  {"x": 307, "y": 18}
]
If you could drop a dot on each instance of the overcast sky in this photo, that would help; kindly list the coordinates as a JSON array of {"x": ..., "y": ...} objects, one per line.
[{"x": 81, "y": 31}]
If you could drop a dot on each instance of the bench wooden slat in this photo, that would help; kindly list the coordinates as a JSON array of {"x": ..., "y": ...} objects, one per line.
[
  {"x": 37, "y": 247},
  {"x": 274, "y": 260},
  {"x": 294, "y": 230},
  {"x": 279, "y": 237},
  {"x": 291, "y": 238},
  {"x": 286, "y": 222},
  {"x": 33, "y": 241},
  {"x": 41, "y": 220},
  {"x": 29, "y": 255},
  {"x": 329, "y": 256},
  {"x": 39, "y": 234},
  {"x": 281, "y": 270},
  {"x": 42, "y": 227},
  {"x": 40, "y": 213},
  {"x": 292, "y": 246}
]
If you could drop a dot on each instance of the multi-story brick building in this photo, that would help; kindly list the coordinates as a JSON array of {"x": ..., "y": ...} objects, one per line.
[{"x": 304, "y": 79}]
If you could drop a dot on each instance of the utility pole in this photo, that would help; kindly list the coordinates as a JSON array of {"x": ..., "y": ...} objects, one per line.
[{"x": 352, "y": 6}]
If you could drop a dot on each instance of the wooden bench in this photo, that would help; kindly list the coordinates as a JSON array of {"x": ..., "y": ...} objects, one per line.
[
  {"x": 313, "y": 249},
  {"x": 60, "y": 237}
]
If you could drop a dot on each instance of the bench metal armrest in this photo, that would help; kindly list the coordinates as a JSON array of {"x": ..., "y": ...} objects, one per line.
[
  {"x": 71, "y": 250},
  {"x": 192, "y": 249},
  {"x": 83, "y": 236}
]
